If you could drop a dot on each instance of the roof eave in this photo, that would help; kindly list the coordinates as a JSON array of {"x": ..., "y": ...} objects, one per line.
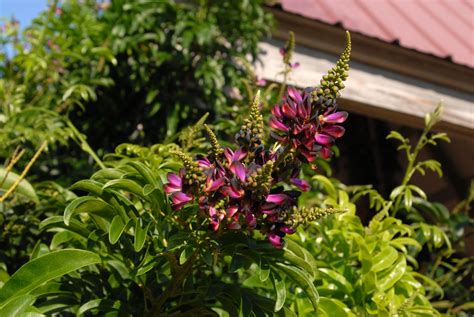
[{"x": 328, "y": 38}]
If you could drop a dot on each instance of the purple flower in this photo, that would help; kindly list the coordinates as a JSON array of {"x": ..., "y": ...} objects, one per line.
[
  {"x": 232, "y": 192},
  {"x": 175, "y": 183},
  {"x": 174, "y": 187},
  {"x": 307, "y": 126},
  {"x": 335, "y": 117},
  {"x": 233, "y": 159},
  {"x": 295, "y": 123},
  {"x": 336, "y": 131},
  {"x": 287, "y": 230},
  {"x": 277, "y": 198},
  {"x": 275, "y": 240},
  {"x": 301, "y": 184},
  {"x": 180, "y": 199},
  {"x": 323, "y": 139},
  {"x": 213, "y": 184}
]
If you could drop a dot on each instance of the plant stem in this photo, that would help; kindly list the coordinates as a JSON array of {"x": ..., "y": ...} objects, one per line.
[
  {"x": 25, "y": 171},
  {"x": 13, "y": 160},
  {"x": 81, "y": 141},
  {"x": 178, "y": 278},
  {"x": 283, "y": 84},
  {"x": 411, "y": 162}
]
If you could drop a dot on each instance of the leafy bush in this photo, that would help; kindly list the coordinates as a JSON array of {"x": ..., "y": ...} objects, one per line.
[
  {"x": 94, "y": 63},
  {"x": 196, "y": 228}
]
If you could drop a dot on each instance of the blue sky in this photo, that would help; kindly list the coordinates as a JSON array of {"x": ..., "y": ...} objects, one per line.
[{"x": 23, "y": 10}]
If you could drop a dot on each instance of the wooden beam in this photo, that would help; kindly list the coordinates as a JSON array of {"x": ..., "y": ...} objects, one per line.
[
  {"x": 371, "y": 51},
  {"x": 376, "y": 92}
]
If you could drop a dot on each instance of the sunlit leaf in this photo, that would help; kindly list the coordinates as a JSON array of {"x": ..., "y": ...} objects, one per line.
[
  {"x": 90, "y": 205},
  {"x": 388, "y": 278},
  {"x": 24, "y": 188},
  {"x": 304, "y": 280},
  {"x": 280, "y": 290},
  {"x": 116, "y": 229},
  {"x": 384, "y": 259},
  {"x": 17, "y": 305},
  {"x": 45, "y": 268}
]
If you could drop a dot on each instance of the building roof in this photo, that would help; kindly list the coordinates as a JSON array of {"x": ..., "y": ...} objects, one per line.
[{"x": 444, "y": 28}]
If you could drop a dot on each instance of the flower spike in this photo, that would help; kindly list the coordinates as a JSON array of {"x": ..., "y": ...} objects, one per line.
[
  {"x": 251, "y": 132},
  {"x": 304, "y": 215},
  {"x": 261, "y": 182},
  {"x": 332, "y": 83},
  {"x": 288, "y": 49},
  {"x": 216, "y": 147},
  {"x": 193, "y": 173}
]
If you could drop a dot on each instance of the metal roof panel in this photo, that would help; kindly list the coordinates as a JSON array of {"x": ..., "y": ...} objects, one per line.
[{"x": 444, "y": 28}]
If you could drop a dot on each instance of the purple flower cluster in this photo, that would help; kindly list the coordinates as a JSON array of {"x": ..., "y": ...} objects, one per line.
[
  {"x": 239, "y": 192},
  {"x": 308, "y": 126},
  {"x": 243, "y": 189}
]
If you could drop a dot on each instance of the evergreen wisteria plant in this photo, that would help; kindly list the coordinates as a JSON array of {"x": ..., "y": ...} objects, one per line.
[
  {"x": 173, "y": 230},
  {"x": 256, "y": 185},
  {"x": 207, "y": 235}
]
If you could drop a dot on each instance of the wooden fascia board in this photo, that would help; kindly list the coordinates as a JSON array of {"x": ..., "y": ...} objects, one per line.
[
  {"x": 375, "y": 92},
  {"x": 453, "y": 130},
  {"x": 329, "y": 38}
]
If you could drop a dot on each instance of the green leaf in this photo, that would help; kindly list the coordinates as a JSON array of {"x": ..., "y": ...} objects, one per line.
[
  {"x": 402, "y": 241},
  {"x": 24, "y": 188},
  {"x": 126, "y": 185},
  {"x": 336, "y": 278},
  {"x": 39, "y": 250},
  {"x": 329, "y": 307},
  {"x": 88, "y": 204},
  {"x": 299, "y": 251},
  {"x": 45, "y": 268},
  {"x": 369, "y": 282},
  {"x": 327, "y": 184},
  {"x": 116, "y": 229},
  {"x": 396, "y": 135},
  {"x": 435, "y": 287},
  {"x": 442, "y": 136},
  {"x": 396, "y": 192},
  {"x": 389, "y": 277},
  {"x": 146, "y": 173},
  {"x": 108, "y": 173},
  {"x": 464, "y": 307},
  {"x": 32, "y": 314},
  {"x": 304, "y": 280},
  {"x": 148, "y": 189},
  {"x": 17, "y": 305},
  {"x": 88, "y": 185},
  {"x": 408, "y": 198},
  {"x": 58, "y": 222},
  {"x": 299, "y": 262},
  {"x": 61, "y": 237},
  {"x": 100, "y": 303},
  {"x": 186, "y": 254},
  {"x": 280, "y": 290},
  {"x": 418, "y": 190},
  {"x": 140, "y": 234},
  {"x": 433, "y": 165},
  {"x": 384, "y": 259},
  {"x": 264, "y": 270}
]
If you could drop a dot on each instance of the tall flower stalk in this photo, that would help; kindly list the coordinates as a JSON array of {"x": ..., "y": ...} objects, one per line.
[{"x": 254, "y": 186}]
